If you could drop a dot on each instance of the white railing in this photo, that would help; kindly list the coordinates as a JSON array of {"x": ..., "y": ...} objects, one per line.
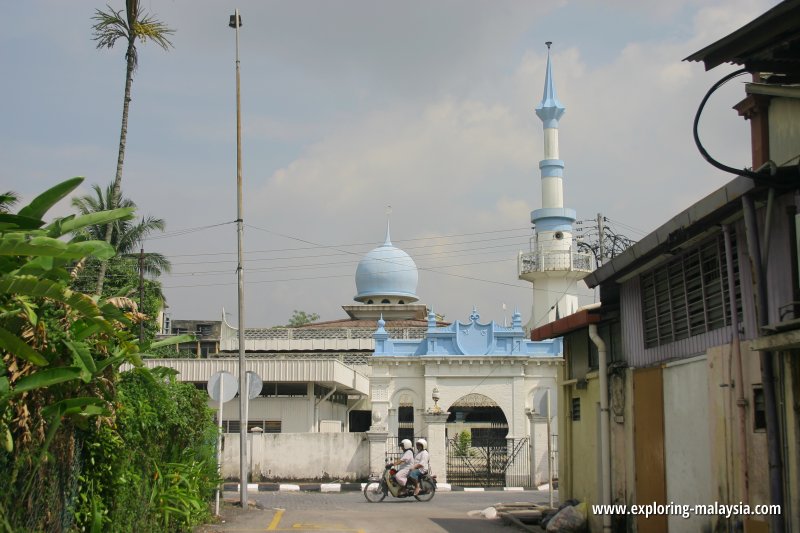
[{"x": 554, "y": 260}]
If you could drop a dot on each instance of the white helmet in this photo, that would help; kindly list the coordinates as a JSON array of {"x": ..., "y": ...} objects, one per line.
[
  {"x": 406, "y": 444},
  {"x": 423, "y": 442}
]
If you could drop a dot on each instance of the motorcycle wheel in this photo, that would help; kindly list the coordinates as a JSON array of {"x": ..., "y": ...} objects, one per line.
[
  {"x": 426, "y": 492},
  {"x": 374, "y": 492}
]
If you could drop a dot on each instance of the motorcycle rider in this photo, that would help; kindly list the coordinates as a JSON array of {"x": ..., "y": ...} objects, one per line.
[
  {"x": 405, "y": 463},
  {"x": 421, "y": 464}
]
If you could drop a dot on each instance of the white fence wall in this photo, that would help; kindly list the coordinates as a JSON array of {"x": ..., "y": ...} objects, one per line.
[{"x": 300, "y": 456}]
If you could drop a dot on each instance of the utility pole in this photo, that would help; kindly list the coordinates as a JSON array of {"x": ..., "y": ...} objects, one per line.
[
  {"x": 141, "y": 295},
  {"x": 236, "y": 22},
  {"x": 601, "y": 229}
]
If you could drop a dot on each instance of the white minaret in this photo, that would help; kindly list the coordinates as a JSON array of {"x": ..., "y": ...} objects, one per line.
[{"x": 552, "y": 264}]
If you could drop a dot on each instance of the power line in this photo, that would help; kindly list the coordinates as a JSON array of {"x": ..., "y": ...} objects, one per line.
[
  {"x": 316, "y": 247},
  {"x": 186, "y": 231},
  {"x": 518, "y": 243},
  {"x": 451, "y": 253}
]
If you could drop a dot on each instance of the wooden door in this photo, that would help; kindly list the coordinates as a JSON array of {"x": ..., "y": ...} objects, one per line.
[{"x": 648, "y": 439}]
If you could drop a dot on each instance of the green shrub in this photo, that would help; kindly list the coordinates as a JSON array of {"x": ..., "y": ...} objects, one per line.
[{"x": 160, "y": 468}]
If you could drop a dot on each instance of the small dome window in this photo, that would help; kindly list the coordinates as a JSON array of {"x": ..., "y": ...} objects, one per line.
[
  {"x": 369, "y": 302},
  {"x": 385, "y": 301},
  {"x": 401, "y": 302}
]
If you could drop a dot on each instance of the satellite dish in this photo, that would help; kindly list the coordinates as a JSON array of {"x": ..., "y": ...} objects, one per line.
[
  {"x": 254, "y": 384},
  {"x": 222, "y": 386}
]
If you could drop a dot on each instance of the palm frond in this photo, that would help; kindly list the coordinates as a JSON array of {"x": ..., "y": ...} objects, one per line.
[
  {"x": 126, "y": 235},
  {"x": 148, "y": 27},
  {"x": 112, "y": 25},
  {"x": 8, "y": 200},
  {"x": 109, "y": 26}
]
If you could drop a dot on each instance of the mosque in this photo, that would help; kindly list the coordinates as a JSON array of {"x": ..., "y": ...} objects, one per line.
[{"x": 392, "y": 369}]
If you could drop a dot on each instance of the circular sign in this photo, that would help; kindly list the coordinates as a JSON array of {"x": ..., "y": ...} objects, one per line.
[
  {"x": 222, "y": 386},
  {"x": 254, "y": 384}
]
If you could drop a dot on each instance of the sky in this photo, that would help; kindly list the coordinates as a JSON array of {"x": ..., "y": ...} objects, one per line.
[{"x": 351, "y": 106}]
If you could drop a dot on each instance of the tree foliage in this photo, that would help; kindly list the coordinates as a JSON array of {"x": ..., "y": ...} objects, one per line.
[{"x": 301, "y": 318}]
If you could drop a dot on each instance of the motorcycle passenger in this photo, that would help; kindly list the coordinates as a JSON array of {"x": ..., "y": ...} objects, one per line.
[
  {"x": 421, "y": 464},
  {"x": 405, "y": 463}
]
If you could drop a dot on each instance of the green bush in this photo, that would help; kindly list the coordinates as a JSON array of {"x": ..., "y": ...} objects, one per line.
[{"x": 162, "y": 468}]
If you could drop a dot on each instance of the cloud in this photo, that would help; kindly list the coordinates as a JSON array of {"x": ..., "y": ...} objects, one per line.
[{"x": 350, "y": 106}]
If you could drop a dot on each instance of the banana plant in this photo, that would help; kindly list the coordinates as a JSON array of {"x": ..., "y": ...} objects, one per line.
[{"x": 55, "y": 343}]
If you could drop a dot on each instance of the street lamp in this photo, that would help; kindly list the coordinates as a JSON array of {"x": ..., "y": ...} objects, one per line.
[{"x": 236, "y": 22}]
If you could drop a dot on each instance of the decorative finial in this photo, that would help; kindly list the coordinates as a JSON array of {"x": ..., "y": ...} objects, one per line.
[
  {"x": 474, "y": 316},
  {"x": 516, "y": 319},
  {"x": 388, "y": 241},
  {"x": 548, "y": 43},
  {"x": 381, "y": 322},
  {"x": 435, "y": 397},
  {"x": 431, "y": 319}
]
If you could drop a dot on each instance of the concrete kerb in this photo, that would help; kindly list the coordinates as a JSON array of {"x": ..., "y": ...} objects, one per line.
[{"x": 350, "y": 487}]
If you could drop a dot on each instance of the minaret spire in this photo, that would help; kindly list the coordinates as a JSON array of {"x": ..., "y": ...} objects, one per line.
[{"x": 549, "y": 109}]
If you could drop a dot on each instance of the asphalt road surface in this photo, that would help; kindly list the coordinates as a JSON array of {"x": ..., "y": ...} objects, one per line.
[{"x": 349, "y": 512}]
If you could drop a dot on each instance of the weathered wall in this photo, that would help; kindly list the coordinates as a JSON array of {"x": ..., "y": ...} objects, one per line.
[
  {"x": 686, "y": 440},
  {"x": 579, "y": 442},
  {"x": 300, "y": 456}
]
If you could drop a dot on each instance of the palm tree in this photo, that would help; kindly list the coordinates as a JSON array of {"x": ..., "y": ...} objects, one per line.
[
  {"x": 110, "y": 26},
  {"x": 126, "y": 236}
]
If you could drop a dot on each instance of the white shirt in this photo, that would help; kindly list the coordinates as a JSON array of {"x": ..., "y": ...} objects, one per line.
[
  {"x": 407, "y": 459},
  {"x": 423, "y": 458}
]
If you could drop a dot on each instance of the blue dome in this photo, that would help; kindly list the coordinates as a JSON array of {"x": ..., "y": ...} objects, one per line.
[{"x": 386, "y": 272}]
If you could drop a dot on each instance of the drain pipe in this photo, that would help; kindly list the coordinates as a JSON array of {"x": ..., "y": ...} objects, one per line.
[
  {"x": 605, "y": 444},
  {"x": 736, "y": 354},
  {"x": 767, "y": 370},
  {"x": 316, "y": 407}
]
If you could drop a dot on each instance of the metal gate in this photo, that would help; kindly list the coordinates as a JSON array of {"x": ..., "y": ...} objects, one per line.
[{"x": 495, "y": 462}]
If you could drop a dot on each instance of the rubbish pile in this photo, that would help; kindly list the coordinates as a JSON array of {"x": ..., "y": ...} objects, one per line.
[{"x": 570, "y": 517}]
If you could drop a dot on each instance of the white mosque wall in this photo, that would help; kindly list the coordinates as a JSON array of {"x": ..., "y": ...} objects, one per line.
[
  {"x": 511, "y": 384},
  {"x": 300, "y": 456}
]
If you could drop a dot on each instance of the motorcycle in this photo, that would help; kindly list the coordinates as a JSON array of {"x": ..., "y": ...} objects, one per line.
[{"x": 378, "y": 487}]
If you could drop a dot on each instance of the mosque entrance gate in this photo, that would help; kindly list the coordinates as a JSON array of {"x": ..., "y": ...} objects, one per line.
[
  {"x": 490, "y": 462},
  {"x": 479, "y": 453}
]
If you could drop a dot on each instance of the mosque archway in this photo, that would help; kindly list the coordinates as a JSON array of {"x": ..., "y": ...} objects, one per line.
[{"x": 480, "y": 417}]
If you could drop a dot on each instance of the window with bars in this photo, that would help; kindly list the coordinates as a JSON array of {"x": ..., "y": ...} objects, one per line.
[
  {"x": 689, "y": 295},
  {"x": 576, "y": 409},
  {"x": 405, "y": 421}
]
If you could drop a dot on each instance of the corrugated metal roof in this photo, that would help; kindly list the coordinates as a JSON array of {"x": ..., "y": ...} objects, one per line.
[{"x": 769, "y": 43}]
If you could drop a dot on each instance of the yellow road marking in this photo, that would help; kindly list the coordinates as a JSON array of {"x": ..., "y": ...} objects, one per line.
[{"x": 276, "y": 520}]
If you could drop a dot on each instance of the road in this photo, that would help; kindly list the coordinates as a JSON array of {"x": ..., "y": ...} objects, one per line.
[{"x": 349, "y": 512}]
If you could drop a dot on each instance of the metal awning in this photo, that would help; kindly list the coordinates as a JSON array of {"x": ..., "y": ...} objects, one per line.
[{"x": 328, "y": 372}]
